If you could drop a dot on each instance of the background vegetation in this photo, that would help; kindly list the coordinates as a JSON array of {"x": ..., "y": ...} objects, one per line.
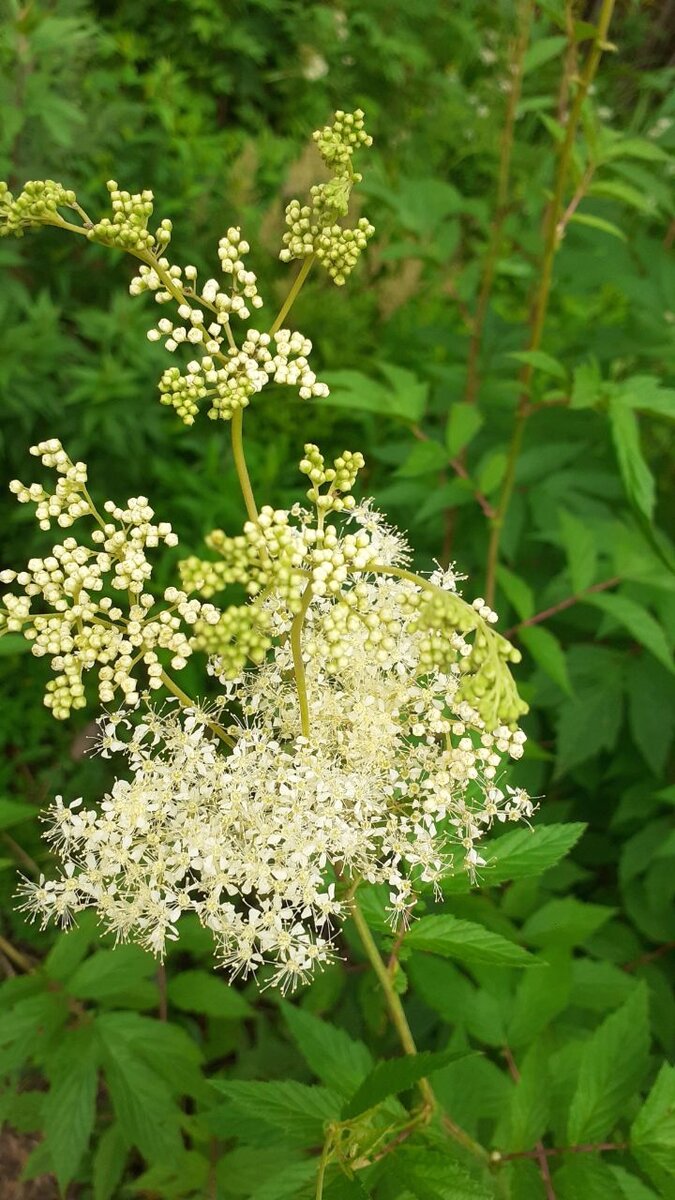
[{"x": 525, "y": 435}]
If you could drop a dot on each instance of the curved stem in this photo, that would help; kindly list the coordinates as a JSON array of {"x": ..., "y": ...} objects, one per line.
[
  {"x": 187, "y": 702},
  {"x": 237, "y": 424},
  {"x": 396, "y": 1012},
  {"x": 293, "y": 294},
  {"x": 15, "y": 956}
]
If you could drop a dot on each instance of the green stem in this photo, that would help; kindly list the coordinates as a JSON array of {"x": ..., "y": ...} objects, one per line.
[
  {"x": 396, "y": 1012},
  {"x": 323, "y": 1163},
  {"x": 293, "y": 294},
  {"x": 187, "y": 702},
  {"x": 15, "y": 956},
  {"x": 552, "y": 235},
  {"x": 237, "y": 424},
  {"x": 298, "y": 664},
  {"x": 400, "y": 1023},
  {"x": 501, "y": 203}
]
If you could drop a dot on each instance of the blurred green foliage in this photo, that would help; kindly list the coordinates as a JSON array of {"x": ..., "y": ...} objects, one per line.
[{"x": 209, "y": 106}]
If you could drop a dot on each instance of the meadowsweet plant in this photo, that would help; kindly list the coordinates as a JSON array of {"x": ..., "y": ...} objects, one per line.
[
  {"x": 362, "y": 713},
  {"x": 356, "y": 717}
]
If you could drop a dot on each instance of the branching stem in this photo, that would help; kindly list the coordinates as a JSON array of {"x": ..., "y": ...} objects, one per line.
[
  {"x": 501, "y": 201},
  {"x": 292, "y": 295},
  {"x": 542, "y": 294},
  {"x": 187, "y": 702}
]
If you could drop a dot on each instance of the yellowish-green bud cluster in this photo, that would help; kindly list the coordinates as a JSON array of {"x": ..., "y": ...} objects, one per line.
[
  {"x": 336, "y": 143},
  {"x": 238, "y": 639},
  {"x": 486, "y": 683},
  {"x": 314, "y": 228},
  {"x": 128, "y": 229},
  {"x": 36, "y": 205},
  {"x": 341, "y": 477}
]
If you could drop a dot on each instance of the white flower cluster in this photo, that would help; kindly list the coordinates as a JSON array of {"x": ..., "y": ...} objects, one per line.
[
  {"x": 86, "y": 628},
  {"x": 395, "y": 785},
  {"x": 230, "y": 380},
  {"x": 364, "y": 712}
]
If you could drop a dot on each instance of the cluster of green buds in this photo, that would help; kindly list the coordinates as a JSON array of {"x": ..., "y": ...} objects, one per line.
[
  {"x": 37, "y": 204},
  {"x": 314, "y": 229}
]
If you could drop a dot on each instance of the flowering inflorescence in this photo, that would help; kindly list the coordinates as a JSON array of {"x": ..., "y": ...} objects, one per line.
[
  {"x": 363, "y": 712},
  {"x": 101, "y": 615}
]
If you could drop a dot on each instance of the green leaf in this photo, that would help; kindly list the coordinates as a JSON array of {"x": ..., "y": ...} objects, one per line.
[
  {"x": 13, "y": 813},
  {"x": 613, "y": 1066},
  {"x": 491, "y": 471},
  {"x": 647, "y": 394},
  {"x": 630, "y": 1187},
  {"x": 395, "y": 1075},
  {"x": 166, "y": 1049},
  {"x": 540, "y": 997},
  {"x": 585, "y": 1177},
  {"x": 587, "y": 724},
  {"x": 147, "y": 1115},
  {"x": 638, "y": 480},
  {"x": 651, "y": 710},
  {"x": 548, "y": 654},
  {"x": 286, "y": 1184},
  {"x": 110, "y": 974},
  {"x": 517, "y": 591},
  {"x": 542, "y": 51},
  {"x": 541, "y": 361},
  {"x": 13, "y": 643},
  {"x": 464, "y": 421},
  {"x": 652, "y": 1136},
  {"x": 616, "y": 189},
  {"x": 526, "y": 1118},
  {"x": 109, "y": 1163},
  {"x": 599, "y": 223},
  {"x": 203, "y": 992},
  {"x": 292, "y": 1107},
  {"x": 403, "y": 395},
  {"x": 70, "y": 948},
  {"x": 522, "y": 853},
  {"x": 469, "y": 943},
  {"x": 580, "y": 550},
  {"x": 638, "y": 621},
  {"x": 640, "y": 148},
  {"x": 433, "y": 1176},
  {"x": 587, "y": 385},
  {"x": 71, "y": 1104},
  {"x": 424, "y": 458},
  {"x": 565, "y": 922},
  {"x": 336, "y": 1059}
]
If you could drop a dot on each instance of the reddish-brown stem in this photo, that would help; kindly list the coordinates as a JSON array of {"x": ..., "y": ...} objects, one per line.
[
  {"x": 552, "y": 1152},
  {"x": 650, "y": 956},
  {"x": 576, "y": 200},
  {"x": 539, "y": 1152},
  {"x": 459, "y": 468},
  {"x": 568, "y": 602}
]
